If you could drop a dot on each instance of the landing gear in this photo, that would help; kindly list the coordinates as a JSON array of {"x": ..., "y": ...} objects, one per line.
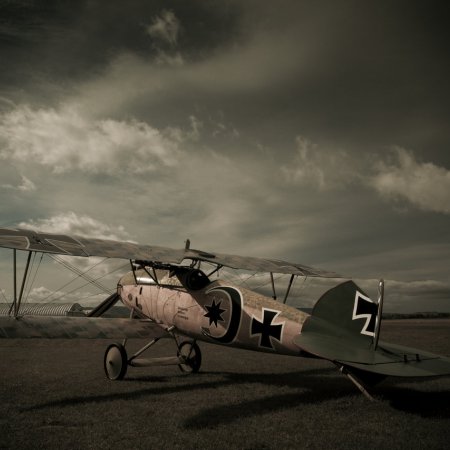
[
  {"x": 115, "y": 362},
  {"x": 189, "y": 352}
]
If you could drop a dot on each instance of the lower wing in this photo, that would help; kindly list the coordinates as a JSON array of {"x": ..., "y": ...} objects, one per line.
[{"x": 78, "y": 327}]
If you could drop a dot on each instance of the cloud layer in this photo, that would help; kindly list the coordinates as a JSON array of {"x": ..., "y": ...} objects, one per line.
[
  {"x": 64, "y": 140},
  {"x": 310, "y": 132},
  {"x": 72, "y": 224},
  {"x": 424, "y": 185}
]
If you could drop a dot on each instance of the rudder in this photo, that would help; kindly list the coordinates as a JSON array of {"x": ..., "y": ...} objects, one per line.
[{"x": 345, "y": 311}]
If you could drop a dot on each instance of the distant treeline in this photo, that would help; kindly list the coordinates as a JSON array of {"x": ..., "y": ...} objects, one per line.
[
  {"x": 417, "y": 315},
  {"x": 396, "y": 316}
]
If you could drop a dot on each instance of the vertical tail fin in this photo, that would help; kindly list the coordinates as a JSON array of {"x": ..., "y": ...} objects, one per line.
[
  {"x": 346, "y": 311},
  {"x": 344, "y": 328}
]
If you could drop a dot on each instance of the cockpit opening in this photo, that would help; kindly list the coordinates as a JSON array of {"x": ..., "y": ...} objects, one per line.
[{"x": 192, "y": 279}]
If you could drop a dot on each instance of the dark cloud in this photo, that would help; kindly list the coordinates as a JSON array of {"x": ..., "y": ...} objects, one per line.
[
  {"x": 313, "y": 132},
  {"x": 59, "y": 42}
]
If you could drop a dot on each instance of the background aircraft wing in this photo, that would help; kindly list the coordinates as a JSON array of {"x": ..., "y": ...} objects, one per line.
[
  {"x": 79, "y": 246},
  {"x": 78, "y": 327}
]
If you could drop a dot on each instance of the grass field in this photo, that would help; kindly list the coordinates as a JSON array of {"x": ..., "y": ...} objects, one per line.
[{"x": 54, "y": 394}]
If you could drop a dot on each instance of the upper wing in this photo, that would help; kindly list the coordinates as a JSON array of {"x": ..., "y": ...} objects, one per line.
[
  {"x": 258, "y": 264},
  {"x": 78, "y": 327},
  {"x": 63, "y": 244},
  {"x": 79, "y": 246}
]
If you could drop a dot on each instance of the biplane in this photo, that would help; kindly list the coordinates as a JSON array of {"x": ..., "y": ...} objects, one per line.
[{"x": 169, "y": 295}]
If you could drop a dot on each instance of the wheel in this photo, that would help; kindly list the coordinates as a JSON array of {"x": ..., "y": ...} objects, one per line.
[
  {"x": 115, "y": 362},
  {"x": 192, "y": 356}
]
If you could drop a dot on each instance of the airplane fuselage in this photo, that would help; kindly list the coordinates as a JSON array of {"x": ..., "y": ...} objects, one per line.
[{"x": 219, "y": 312}]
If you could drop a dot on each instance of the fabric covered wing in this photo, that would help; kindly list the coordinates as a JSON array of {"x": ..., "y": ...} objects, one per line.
[
  {"x": 79, "y": 246},
  {"x": 78, "y": 327},
  {"x": 259, "y": 264}
]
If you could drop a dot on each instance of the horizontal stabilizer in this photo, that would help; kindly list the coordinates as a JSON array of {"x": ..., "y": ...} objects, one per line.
[
  {"x": 78, "y": 327},
  {"x": 387, "y": 359},
  {"x": 343, "y": 329}
]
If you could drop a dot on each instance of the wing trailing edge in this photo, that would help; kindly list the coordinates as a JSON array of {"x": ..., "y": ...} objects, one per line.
[
  {"x": 29, "y": 240},
  {"x": 78, "y": 327}
]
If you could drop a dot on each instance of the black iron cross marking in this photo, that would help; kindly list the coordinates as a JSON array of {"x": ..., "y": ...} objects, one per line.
[
  {"x": 364, "y": 308},
  {"x": 266, "y": 329}
]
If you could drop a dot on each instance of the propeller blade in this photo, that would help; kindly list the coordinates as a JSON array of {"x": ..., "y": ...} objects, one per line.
[{"x": 105, "y": 305}]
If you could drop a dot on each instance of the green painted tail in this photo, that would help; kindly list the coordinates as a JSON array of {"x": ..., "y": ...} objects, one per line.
[
  {"x": 346, "y": 311},
  {"x": 342, "y": 328}
]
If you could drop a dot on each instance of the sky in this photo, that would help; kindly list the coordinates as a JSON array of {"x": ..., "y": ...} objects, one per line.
[{"x": 314, "y": 132}]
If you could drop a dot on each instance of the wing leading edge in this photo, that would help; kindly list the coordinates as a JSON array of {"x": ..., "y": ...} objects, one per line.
[
  {"x": 78, "y": 327},
  {"x": 29, "y": 240},
  {"x": 62, "y": 244}
]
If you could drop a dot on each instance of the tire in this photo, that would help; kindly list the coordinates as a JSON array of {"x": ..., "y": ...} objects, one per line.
[
  {"x": 115, "y": 362},
  {"x": 192, "y": 355}
]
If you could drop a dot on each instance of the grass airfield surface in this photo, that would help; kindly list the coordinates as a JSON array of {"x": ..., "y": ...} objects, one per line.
[{"x": 54, "y": 394}]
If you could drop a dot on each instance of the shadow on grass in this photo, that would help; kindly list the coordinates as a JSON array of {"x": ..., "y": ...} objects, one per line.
[
  {"x": 311, "y": 389},
  {"x": 314, "y": 389},
  {"x": 292, "y": 379},
  {"x": 425, "y": 404},
  {"x": 309, "y": 386}
]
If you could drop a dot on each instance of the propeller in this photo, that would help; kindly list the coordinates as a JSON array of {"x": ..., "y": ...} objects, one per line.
[{"x": 105, "y": 305}]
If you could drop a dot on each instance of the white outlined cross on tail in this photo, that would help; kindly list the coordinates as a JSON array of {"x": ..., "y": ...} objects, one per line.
[{"x": 365, "y": 308}]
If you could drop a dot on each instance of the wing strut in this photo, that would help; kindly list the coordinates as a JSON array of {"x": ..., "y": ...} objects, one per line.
[
  {"x": 17, "y": 300},
  {"x": 134, "y": 272},
  {"x": 379, "y": 312},
  {"x": 274, "y": 296},
  {"x": 13, "y": 306},
  {"x": 219, "y": 266},
  {"x": 288, "y": 288}
]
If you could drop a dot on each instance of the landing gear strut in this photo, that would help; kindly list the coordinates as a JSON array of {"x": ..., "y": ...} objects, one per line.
[{"x": 116, "y": 360}]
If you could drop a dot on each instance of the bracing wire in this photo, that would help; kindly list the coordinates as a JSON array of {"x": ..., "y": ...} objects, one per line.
[
  {"x": 244, "y": 279},
  {"x": 34, "y": 269},
  {"x": 2, "y": 292},
  {"x": 81, "y": 274}
]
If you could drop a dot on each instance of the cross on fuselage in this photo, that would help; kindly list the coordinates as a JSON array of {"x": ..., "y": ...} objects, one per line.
[{"x": 266, "y": 329}]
